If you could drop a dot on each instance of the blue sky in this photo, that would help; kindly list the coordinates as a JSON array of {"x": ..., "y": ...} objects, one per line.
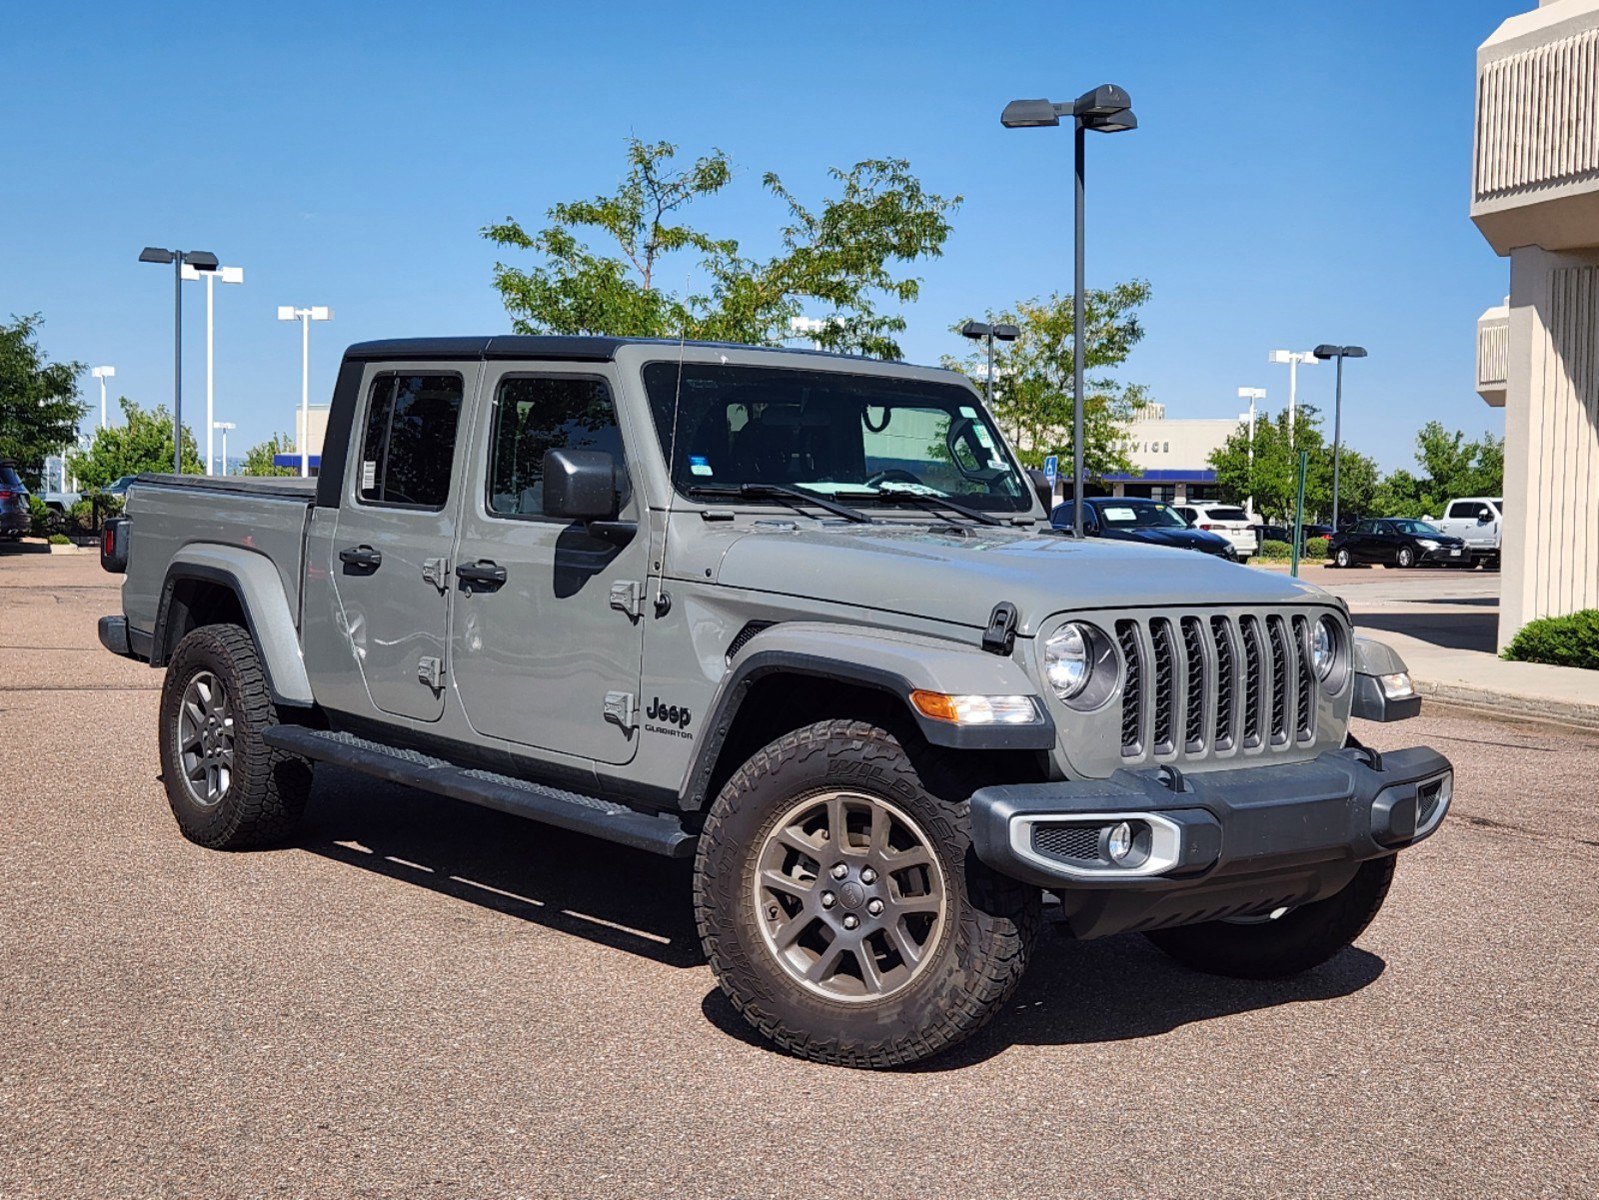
[{"x": 1300, "y": 174}]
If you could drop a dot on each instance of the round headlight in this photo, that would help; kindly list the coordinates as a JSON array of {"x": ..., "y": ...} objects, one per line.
[
  {"x": 1324, "y": 647},
  {"x": 1066, "y": 661}
]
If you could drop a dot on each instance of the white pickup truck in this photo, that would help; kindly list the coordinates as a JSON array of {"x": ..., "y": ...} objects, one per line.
[{"x": 1479, "y": 521}]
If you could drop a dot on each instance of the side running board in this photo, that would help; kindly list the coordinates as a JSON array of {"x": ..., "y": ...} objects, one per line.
[{"x": 553, "y": 806}]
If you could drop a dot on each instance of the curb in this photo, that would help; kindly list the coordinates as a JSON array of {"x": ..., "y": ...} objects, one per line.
[{"x": 1509, "y": 706}]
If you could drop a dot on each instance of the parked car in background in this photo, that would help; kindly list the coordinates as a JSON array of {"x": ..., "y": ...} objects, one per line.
[
  {"x": 16, "y": 518},
  {"x": 1228, "y": 520},
  {"x": 1479, "y": 522},
  {"x": 1136, "y": 520},
  {"x": 119, "y": 487},
  {"x": 1397, "y": 542},
  {"x": 60, "y": 502}
]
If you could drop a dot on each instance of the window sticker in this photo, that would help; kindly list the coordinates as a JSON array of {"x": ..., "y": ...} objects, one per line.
[
  {"x": 983, "y": 436},
  {"x": 698, "y": 464},
  {"x": 1120, "y": 514},
  {"x": 369, "y": 475},
  {"x": 968, "y": 411}
]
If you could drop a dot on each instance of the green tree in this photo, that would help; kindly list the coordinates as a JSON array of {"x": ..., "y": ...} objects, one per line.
[
  {"x": 39, "y": 406},
  {"x": 842, "y": 257},
  {"x": 1272, "y": 478},
  {"x": 1450, "y": 467},
  {"x": 258, "y": 459},
  {"x": 143, "y": 442},
  {"x": 1033, "y": 381}
]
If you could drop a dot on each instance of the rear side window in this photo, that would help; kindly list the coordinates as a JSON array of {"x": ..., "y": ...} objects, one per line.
[
  {"x": 9, "y": 478},
  {"x": 408, "y": 445},
  {"x": 535, "y": 414}
]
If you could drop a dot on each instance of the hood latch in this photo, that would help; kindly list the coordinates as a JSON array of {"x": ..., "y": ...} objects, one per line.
[{"x": 1000, "y": 636}]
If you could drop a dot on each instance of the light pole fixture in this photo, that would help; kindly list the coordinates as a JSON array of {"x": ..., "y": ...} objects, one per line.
[
  {"x": 102, "y": 374},
  {"x": 979, "y": 330},
  {"x": 1254, "y": 396},
  {"x": 227, "y": 275},
  {"x": 1294, "y": 359},
  {"x": 287, "y": 312},
  {"x": 1106, "y": 109},
  {"x": 200, "y": 260},
  {"x": 224, "y": 426},
  {"x": 1326, "y": 351}
]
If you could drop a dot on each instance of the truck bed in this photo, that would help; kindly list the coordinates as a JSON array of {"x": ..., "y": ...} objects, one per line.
[{"x": 171, "y": 513}]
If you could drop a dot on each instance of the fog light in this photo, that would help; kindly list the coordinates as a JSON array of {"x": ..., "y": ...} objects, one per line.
[
  {"x": 1119, "y": 845},
  {"x": 1397, "y": 686}
]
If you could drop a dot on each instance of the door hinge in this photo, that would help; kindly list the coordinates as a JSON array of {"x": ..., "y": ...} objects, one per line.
[
  {"x": 620, "y": 707},
  {"x": 430, "y": 671},
  {"x": 435, "y": 571},
  {"x": 628, "y": 597}
]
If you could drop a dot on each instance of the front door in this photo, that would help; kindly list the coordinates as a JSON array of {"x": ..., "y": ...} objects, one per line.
[
  {"x": 395, "y": 531},
  {"x": 547, "y": 632}
]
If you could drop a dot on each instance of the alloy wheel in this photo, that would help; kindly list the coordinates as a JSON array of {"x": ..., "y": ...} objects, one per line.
[
  {"x": 205, "y": 740},
  {"x": 849, "y": 896}
]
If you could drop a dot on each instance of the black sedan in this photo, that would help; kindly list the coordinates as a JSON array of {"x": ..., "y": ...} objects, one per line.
[
  {"x": 1136, "y": 520},
  {"x": 15, "y": 516},
  {"x": 1397, "y": 542}
]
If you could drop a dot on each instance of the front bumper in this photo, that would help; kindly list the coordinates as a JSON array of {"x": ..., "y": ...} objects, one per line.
[
  {"x": 1446, "y": 556},
  {"x": 1208, "y": 845}
]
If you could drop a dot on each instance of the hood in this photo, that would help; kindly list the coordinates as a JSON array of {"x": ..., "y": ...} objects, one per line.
[
  {"x": 959, "y": 575},
  {"x": 1182, "y": 539}
]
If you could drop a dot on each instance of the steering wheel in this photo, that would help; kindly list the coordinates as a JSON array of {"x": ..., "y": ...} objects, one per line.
[{"x": 894, "y": 475}]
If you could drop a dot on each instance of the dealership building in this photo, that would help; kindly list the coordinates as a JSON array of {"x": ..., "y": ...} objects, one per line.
[
  {"x": 1171, "y": 458},
  {"x": 1535, "y": 198}
]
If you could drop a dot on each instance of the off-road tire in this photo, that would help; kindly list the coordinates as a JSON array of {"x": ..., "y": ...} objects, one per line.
[
  {"x": 987, "y": 931},
  {"x": 269, "y": 788},
  {"x": 1300, "y": 939},
  {"x": 1343, "y": 558}
]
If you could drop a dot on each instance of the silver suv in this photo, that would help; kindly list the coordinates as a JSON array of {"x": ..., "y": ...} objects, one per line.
[{"x": 798, "y": 617}]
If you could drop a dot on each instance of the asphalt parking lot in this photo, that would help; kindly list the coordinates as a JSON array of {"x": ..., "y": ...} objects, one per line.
[{"x": 421, "y": 998}]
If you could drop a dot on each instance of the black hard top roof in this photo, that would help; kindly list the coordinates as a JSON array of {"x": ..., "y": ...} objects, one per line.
[{"x": 526, "y": 346}]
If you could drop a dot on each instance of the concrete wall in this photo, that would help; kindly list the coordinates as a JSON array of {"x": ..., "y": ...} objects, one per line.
[
  {"x": 1161, "y": 445},
  {"x": 1535, "y": 197}
]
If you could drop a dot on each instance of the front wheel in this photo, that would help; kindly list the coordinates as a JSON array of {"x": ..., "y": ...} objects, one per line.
[
  {"x": 842, "y": 908},
  {"x": 227, "y": 788},
  {"x": 1407, "y": 557},
  {"x": 1286, "y": 942}
]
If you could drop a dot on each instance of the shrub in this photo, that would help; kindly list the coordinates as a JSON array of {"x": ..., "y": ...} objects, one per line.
[
  {"x": 1276, "y": 550},
  {"x": 60, "y": 539},
  {"x": 1569, "y": 641},
  {"x": 1318, "y": 548}
]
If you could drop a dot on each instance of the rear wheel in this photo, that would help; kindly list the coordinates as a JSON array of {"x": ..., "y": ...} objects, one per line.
[
  {"x": 1288, "y": 941},
  {"x": 1343, "y": 558},
  {"x": 842, "y": 908},
  {"x": 227, "y": 788}
]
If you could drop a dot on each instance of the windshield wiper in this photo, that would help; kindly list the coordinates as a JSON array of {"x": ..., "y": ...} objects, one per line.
[
  {"x": 933, "y": 503},
  {"x": 795, "y": 498}
]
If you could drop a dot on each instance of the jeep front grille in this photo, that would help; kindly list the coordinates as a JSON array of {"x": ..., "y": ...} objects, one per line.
[{"x": 1199, "y": 685}]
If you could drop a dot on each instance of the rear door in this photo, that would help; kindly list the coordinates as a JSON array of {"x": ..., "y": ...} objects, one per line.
[
  {"x": 396, "y": 529},
  {"x": 551, "y": 654}
]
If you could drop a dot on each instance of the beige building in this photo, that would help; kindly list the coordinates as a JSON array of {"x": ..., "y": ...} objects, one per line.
[
  {"x": 1172, "y": 457},
  {"x": 1535, "y": 197}
]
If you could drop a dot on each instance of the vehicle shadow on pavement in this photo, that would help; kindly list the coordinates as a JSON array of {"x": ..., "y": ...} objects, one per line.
[
  {"x": 1111, "y": 990},
  {"x": 613, "y": 895}
]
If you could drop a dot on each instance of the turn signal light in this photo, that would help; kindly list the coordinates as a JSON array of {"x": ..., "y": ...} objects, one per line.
[{"x": 976, "y": 710}]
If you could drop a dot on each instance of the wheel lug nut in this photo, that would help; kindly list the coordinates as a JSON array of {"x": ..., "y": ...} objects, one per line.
[
  {"x": 868, "y": 875},
  {"x": 828, "y": 899},
  {"x": 875, "y": 907},
  {"x": 851, "y": 921},
  {"x": 840, "y": 870}
]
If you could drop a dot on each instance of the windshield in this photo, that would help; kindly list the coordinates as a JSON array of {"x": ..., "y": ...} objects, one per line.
[
  {"x": 1418, "y": 528},
  {"x": 1134, "y": 514},
  {"x": 850, "y": 436}
]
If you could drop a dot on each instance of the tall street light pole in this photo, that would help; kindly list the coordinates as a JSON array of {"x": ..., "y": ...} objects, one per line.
[
  {"x": 224, "y": 426},
  {"x": 102, "y": 374},
  {"x": 1253, "y": 395},
  {"x": 1326, "y": 351},
  {"x": 980, "y": 331},
  {"x": 200, "y": 260},
  {"x": 1106, "y": 109},
  {"x": 287, "y": 312},
  {"x": 227, "y": 275},
  {"x": 1293, "y": 358}
]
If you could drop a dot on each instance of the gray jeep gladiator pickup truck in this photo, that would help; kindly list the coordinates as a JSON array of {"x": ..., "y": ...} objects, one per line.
[{"x": 803, "y": 618}]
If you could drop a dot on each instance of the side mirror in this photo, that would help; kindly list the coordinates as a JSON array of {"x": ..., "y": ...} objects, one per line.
[
  {"x": 1484, "y": 515},
  {"x": 580, "y": 485}
]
